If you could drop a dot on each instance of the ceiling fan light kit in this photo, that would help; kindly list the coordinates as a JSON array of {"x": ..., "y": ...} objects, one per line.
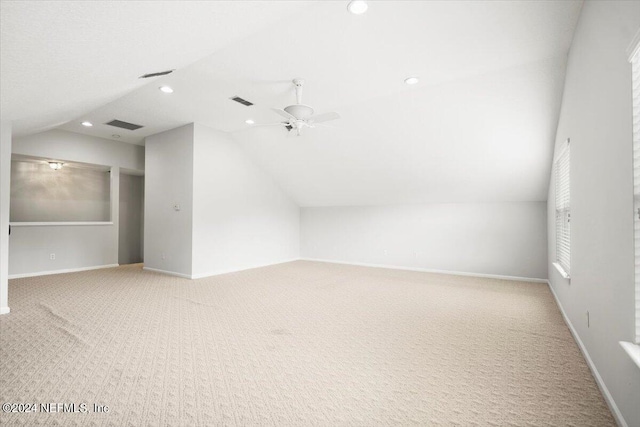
[{"x": 299, "y": 110}]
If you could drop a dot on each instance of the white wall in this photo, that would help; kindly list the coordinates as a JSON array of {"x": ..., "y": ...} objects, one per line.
[
  {"x": 75, "y": 246},
  {"x": 597, "y": 115},
  {"x": 63, "y": 145},
  {"x": 507, "y": 239},
  {"x": 168, "y": 182},
  {"x": 241, "y": 218},
  {"x": 5, "y": 179}
]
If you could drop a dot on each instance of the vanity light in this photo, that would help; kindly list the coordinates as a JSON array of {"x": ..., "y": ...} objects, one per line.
[
  {"x": 55, "y": 165},
  {"x": 358, "y": 7}
]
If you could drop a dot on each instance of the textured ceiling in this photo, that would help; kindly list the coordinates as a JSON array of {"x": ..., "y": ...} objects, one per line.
[
  {"x": 61, "y": 59},
  {"x": 478, "y": 127}
]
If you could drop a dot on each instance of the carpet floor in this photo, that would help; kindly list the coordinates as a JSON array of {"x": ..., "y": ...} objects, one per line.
[{"x": 295, "y": 344}]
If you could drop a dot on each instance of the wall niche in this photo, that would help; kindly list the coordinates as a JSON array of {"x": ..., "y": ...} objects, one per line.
[{"x": 74, "y": 193}]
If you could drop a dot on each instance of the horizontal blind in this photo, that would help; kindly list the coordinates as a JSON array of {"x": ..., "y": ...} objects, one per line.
[
  {"x": 563, "y": 209},
  {"x": 635, "y": 71}
]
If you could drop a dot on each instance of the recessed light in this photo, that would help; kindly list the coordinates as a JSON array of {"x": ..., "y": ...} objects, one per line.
[
  {"x": 249, "y": 122},
  {"x": 166, "y": 89},
  {"x": 87, "y": 124},
  {"x": 357, "y": 7},
  {"x": 411, "y": 80},
  {"x": 115, "y": 135}
]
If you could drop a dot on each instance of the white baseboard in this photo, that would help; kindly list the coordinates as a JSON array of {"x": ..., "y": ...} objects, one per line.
[
  {"x": 219, "y": 272},
  {"x": 603, "y": 388},
  {"x": 170, "y": 273},
  {"x": 66, "y": 270},
  {"x": 429, "y": 270},
  {"x": 4, "y": 310}
]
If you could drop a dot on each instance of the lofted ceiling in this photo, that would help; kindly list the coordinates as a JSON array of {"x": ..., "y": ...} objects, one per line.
[
  {"x": 478, "y": 127},
  {"x": 61, "y": 59}
]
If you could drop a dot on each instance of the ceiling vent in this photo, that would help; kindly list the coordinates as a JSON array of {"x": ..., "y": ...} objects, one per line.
[
  {"x": 161, "y": 73},
  {"x": 123, "y": 125},
  {"x": 242, "y": 101}
]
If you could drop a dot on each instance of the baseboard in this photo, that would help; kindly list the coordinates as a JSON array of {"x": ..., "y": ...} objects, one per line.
[
  {"x": 170, "y": 273},
  {"x": 603, "y": 388},
  {"x": 4, "y": 310},
  {"x": 429, "y": 270},
  {"x": 219, "y": 272},
  {"x": 66, "y": 270}
]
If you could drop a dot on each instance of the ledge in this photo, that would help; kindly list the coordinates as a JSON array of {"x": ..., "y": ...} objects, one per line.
[
  {"x": 563, "y": 273},
  {"x": 633, "y": 350},
  {"x": 46, "y": 224}
]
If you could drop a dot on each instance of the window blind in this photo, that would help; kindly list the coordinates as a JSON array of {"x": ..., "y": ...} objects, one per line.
[
  {"x": 563, "y": 209},
  {"x": 635, "y": 71}
]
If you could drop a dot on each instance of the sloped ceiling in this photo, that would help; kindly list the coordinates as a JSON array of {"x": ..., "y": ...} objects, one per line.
[
  {"x": 61, "y": 59},
  {"x": 478, "y": 127}
]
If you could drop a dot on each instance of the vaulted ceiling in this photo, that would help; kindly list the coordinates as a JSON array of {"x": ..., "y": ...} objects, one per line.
[{"x": 478, "y": 127}]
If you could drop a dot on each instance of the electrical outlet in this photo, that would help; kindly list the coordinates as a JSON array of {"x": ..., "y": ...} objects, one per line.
[{"x": 52, "y": 256}]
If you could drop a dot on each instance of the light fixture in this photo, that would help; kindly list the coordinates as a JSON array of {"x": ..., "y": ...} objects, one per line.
[
  {"x": 411, "y": 80},
  {"x": 115, "y": 135},
  {"x": 357, "y": 7},
  {"x": 249, "y": 121},
  {"x": 55, "y": 165},
  {"x": 87, "y": 124},
  {"x": 166, "y": 89}
]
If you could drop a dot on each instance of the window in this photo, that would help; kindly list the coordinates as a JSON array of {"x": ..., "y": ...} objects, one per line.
[
  {"x": 635, "y": 72},
  {"x": 563, "y": 211}
]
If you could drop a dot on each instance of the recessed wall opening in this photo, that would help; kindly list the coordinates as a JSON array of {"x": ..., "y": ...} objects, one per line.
[
  {"x": 73, "y": 192},
  {"x": 131, "y": 219}
]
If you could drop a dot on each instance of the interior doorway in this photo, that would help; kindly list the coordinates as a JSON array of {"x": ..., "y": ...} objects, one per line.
[{"x": 131, "y": 219}]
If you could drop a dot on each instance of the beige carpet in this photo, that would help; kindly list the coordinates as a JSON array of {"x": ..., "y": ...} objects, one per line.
[{"x": 295, "y": 344}]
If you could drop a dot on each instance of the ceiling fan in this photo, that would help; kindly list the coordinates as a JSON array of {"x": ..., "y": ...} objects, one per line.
[{"x": 299, "y": 115}]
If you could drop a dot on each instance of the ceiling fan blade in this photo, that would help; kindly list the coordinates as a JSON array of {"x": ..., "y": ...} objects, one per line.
[
  {"x": 325, "y": 117},
  {"x": 270, "y": 124},
  {"x": 284, "y": 114},
  {"x": 321, "y": 125}
]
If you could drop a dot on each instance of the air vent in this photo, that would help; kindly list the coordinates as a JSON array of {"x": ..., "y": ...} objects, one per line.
[
  {"x": 123, "y": 125},
  {"x": 242, "y": 101},
  {"x": 161, "y": 73}
]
